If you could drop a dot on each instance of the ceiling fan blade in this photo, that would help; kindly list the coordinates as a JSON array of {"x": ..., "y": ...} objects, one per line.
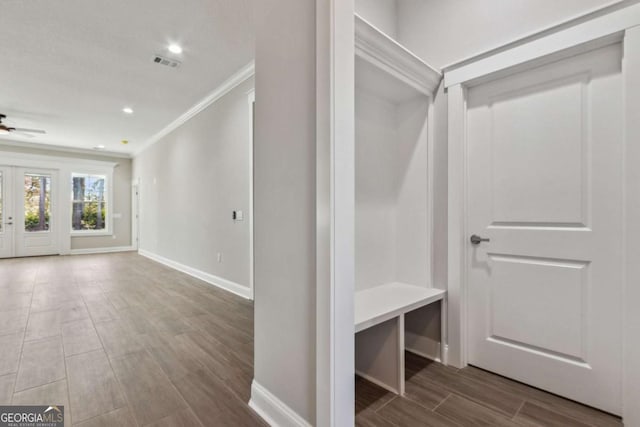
[
  {"x": 29, "y": 130},
  {"x": 16, "y": 132}
]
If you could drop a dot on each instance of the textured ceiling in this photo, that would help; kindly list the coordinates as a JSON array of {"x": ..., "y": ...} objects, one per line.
[{"x": 70, "y": 66}]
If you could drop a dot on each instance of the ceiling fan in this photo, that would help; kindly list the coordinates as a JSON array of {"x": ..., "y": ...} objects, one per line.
[{"x": 25, "y": 132}]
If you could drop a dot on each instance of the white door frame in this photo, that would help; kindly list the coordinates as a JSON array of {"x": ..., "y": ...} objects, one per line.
[
  {"x": 135, "y": 214},
  {"x": 621, "y": 25},
  {"x": 251, "y": 99},
  {"x": 335, "y": 207}
]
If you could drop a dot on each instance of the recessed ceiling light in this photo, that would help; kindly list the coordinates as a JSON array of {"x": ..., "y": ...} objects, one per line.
[
  {"x": 127, "y": 110},
  {"x": 99, "y": 147},
  {"x": 174, "y": 48}
]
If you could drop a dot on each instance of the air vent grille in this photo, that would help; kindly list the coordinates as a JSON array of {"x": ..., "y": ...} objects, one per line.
[{"x": 167, "y": 62}]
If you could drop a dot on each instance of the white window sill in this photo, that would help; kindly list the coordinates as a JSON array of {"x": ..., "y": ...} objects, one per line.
[{"x": 91, "y": 234}]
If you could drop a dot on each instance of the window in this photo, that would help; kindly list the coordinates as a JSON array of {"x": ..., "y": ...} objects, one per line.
[{"x": 89, "y": 210}]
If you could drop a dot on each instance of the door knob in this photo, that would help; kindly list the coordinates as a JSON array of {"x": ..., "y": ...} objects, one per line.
[{"x": 476, "y": 240}]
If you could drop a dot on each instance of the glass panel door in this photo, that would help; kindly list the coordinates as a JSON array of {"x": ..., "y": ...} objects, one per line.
[
  {"x": 35, "y": 230},
  {"x": 28, "y": 212},
  {"x": 37, "y": 202}
]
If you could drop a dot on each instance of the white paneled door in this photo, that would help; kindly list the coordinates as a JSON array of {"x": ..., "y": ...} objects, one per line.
[
  {"x": 28, "y": 218},
  {"x": 545, "y": 189}
]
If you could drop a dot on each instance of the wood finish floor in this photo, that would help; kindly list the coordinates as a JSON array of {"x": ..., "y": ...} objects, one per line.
[
  {"x": 120, "y": 340},
  {"x": 438, "y": 395}
]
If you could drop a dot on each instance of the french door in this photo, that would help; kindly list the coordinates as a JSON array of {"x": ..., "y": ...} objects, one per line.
[{"x": 28, "y": 216}]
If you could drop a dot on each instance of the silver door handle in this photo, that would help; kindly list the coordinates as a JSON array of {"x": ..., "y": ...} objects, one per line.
[
  {"x": 9, "y": 223},
  {"x": 476, "y": 240}
]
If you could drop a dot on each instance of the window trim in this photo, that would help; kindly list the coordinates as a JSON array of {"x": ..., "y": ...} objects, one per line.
[{"x": 108, "y": 174}]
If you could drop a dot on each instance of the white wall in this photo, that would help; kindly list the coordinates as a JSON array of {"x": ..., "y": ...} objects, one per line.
[
  {"x": 121, "y": 197},
  {"x": 445, "y": 31},
  {"x": 381, "y": 13},
  {"x": 412, "y": 192},
  {"x": 376, "y": 191},
  {"x": 440, "y": 152},
  {"x": 632, "y": 294},
  {"x": 191, "y": 181},
  {"x": 284, "y": 203},
  {"x": 391, "y": 191}
]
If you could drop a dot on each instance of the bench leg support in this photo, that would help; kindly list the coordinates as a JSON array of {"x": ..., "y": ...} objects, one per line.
[{"x": 380, "y": 354}]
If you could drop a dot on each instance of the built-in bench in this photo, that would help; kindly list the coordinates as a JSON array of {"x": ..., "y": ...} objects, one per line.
[{"x": 379, "y": 326}]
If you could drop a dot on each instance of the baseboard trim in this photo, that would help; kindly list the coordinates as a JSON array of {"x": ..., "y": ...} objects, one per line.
[
  {"x": 271, "y": 409},
  {"x": 219, "y": 282},
  {"x": 101, "y": 250}
]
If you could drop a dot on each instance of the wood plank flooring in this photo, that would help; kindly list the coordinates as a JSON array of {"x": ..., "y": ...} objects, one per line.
[
  {"x": 438, "y": 395},
  {"x": 120, "y": 340}
]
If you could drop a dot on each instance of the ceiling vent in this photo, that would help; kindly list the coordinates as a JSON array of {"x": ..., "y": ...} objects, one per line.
[{"x": 171, "y": 63}]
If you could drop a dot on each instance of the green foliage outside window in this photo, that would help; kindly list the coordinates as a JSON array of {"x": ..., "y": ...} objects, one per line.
[
  {"x": 89, "y": 219},
  {"x": 32, "y": 221},
  {"x": 89, "y": 208}
]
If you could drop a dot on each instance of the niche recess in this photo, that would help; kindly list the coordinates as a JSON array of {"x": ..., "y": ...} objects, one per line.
[{"x": 393, "y": 206}]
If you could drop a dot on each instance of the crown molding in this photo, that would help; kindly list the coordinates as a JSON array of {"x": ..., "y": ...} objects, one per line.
[
  {"x": 12, "y": 143},
  {"x": 382, "y": 51},
  {"x": 238, "y": 78}
]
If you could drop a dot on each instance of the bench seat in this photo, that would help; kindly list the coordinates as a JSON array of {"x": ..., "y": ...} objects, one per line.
[{"x": 379, "y": 325}]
